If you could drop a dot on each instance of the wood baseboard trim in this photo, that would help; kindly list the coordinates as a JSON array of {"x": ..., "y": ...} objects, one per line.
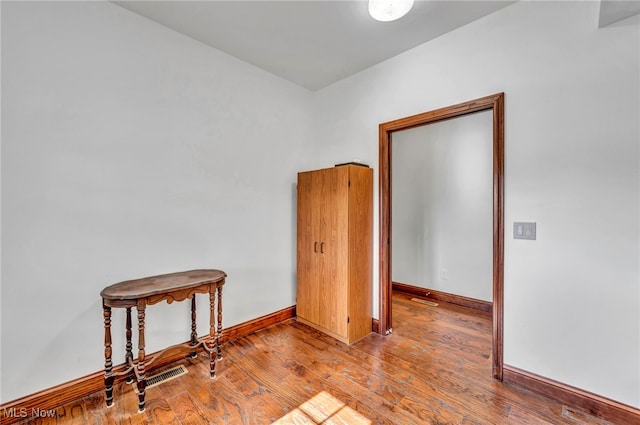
[
  {"x": 590, "y": 403},
  {"x": 52, "y": 398},
  {"x": 255, "y": 325},
  {"x": 432, "y": 294},
  {"x": 375, "y": 325}
]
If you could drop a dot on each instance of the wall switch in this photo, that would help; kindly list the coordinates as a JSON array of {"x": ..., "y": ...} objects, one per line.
[
  {"x": 444, "y": 274},
  {"x": 523, "y": 230}
]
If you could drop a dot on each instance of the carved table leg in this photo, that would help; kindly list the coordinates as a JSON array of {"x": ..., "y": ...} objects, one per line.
[
  {"x": 219, "y": 328},
  {"x": 142, "y": 382},
  {"x": 194, "y": 332},
  {"x": 108, "y": 365},
  {"x": 128, "y": 358},
  {"x": 212, "y": 333}
]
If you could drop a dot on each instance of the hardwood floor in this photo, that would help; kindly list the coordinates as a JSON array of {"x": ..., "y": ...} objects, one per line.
[{"x": 434, "y": 369}]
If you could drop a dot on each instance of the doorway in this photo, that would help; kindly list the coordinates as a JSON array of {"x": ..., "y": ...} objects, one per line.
[{"x": 495, "y": 103}]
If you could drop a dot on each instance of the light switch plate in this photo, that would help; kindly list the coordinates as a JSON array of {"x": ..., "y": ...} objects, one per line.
[{"x": 522, "y": 230}]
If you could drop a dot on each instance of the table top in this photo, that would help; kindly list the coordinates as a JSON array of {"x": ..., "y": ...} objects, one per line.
[{"x": 154, "y": 285}]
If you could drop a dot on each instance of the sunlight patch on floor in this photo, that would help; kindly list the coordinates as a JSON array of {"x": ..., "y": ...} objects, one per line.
[{"x": 323, "y": 408}]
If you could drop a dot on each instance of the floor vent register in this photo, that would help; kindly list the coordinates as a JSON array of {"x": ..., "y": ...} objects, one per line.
[{"x": 165, "y": 376}]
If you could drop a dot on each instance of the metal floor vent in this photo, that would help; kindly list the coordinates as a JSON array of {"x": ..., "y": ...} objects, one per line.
[
  {"x": 418, "y": 300},
  {"x": 161, "y": 377}
]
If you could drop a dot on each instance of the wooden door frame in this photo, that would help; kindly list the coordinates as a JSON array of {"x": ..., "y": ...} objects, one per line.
[{"x": 496, "y": 104}]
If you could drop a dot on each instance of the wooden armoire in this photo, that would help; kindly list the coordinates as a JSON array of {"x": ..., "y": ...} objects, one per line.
[{"x": 334, "y": 251}]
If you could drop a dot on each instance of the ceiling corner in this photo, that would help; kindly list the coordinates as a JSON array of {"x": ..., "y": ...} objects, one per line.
[{"x": 612, "y": 11}]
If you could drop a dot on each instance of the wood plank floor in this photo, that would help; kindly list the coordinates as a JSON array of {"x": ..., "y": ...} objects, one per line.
[{"x": 434, "y": 369}]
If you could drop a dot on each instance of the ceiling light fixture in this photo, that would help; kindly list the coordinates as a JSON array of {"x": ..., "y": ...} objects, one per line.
[{"x": 389, "y": 10}]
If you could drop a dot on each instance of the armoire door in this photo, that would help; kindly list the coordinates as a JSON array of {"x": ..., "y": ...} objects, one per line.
[
  {"x": 308, "y": 262},
  {"x": 334, "y": 237}
]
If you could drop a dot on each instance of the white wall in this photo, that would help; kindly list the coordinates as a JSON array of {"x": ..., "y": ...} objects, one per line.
[
  {"x": 129, "y": 150},
  {"x": 442, "y": 203},
  {"x": 572, "y": 298}
]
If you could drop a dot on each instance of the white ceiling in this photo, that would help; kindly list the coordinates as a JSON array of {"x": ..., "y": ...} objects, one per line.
[
  {"x": 316, "y": 43},
  {"x": 612, "y": 11},
  {"x": 310, "y": 43}
]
